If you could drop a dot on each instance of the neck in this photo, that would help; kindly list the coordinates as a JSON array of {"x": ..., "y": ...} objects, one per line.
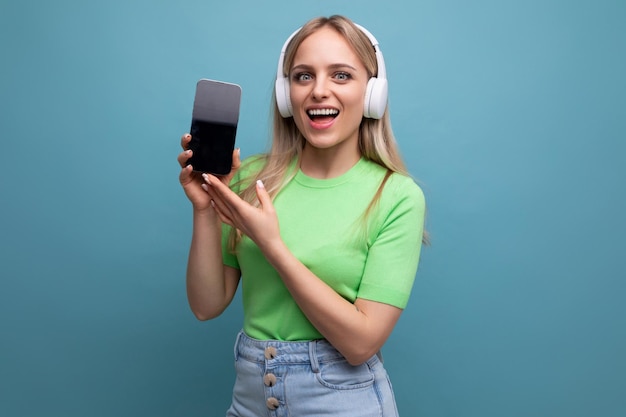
[{"x": 327, "y": 163}]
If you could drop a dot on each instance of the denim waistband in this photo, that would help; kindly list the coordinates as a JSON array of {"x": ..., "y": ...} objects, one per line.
[{"x": 278, "y": 351}]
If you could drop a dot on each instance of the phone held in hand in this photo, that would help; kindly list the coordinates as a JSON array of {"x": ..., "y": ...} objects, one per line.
[{"x": 214, "y": 126}]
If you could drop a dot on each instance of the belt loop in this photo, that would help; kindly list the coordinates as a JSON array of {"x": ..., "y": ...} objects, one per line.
[
  {"x": 315, "y": 367},
  {"x": 236, "y": 348}
]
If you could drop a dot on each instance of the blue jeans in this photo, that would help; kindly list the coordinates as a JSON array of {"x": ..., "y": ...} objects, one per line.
[{"x": 310, "y": 378}]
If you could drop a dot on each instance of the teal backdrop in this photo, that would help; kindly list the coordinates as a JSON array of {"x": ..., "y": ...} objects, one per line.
[{"x": 511, "y": 114}]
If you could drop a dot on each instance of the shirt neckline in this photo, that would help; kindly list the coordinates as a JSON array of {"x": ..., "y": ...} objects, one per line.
[{"x": 311, "y": 182}]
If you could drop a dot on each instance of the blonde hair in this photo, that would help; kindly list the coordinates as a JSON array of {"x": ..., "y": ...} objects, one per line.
[{"x": 376, "y": 140}]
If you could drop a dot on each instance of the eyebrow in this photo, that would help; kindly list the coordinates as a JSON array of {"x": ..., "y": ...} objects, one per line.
[{"x": 332, "y": 66}]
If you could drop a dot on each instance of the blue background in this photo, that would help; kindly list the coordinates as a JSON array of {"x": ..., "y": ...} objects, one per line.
[{"x": 512, "y": 115}]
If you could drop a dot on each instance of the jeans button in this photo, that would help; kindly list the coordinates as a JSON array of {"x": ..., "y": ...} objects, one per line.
[
  {"x": 269, "y": 380},
  {"x": 272, "y": 403},
  {"x": 270, "y": 352}
]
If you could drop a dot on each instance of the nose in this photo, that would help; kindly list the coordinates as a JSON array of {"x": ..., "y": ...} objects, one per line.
[{"x": 320, "y": 88}]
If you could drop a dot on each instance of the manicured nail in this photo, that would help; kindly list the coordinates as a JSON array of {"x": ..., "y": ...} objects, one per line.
[
  {"x": 260, "y": 184},
  {"x": 204, "y": 187},
  {"x": 206, "y": 178}
]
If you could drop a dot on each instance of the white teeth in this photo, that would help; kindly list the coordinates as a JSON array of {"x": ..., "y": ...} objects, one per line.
[{"x": 323, "y": 112}]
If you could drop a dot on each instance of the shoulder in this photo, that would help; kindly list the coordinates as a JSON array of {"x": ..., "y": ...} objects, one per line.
[
  {"x": 398, "y": 186},
  {"x": 248, "y": 171},
  {"x": 401, "y": 184},
  {"x": 252, "y": 165},
  {"x": 401, "y": 193}
]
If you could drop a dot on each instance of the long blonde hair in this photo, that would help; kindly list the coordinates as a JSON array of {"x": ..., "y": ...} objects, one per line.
[{"x": 376, "y": 140}]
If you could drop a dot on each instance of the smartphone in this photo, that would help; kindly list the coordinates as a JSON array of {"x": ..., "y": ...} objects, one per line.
[{"x": 214, "y": 122}]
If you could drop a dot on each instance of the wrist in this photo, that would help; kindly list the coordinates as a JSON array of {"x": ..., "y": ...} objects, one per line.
[
  {"x": 205, "y": 215},
  {"x": 275, "y": 251}
]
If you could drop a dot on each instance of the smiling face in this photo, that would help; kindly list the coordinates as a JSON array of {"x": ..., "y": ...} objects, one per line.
[{"x": 327, "y": 87}]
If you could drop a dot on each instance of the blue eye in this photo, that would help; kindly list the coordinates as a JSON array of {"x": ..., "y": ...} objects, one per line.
[
  {"x": 343, "y": 76},
  {"x": 302, "y": 76}
]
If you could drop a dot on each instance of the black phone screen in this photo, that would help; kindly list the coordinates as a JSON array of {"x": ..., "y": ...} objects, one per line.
[{"x": 212, "y": 145}]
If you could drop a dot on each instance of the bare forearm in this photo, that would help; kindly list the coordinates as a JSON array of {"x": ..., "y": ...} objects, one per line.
[
  {"x": 208, "y": 290},
  {"x": 353, "y": 331}
]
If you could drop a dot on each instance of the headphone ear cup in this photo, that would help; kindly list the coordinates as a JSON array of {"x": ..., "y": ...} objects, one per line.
[
  {"x": 375, "y": 98},
  {"x": 283, "y": 98}
]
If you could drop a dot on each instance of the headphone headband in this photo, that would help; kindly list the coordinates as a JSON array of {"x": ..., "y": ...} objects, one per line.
[{"x": 375, "y": 100}]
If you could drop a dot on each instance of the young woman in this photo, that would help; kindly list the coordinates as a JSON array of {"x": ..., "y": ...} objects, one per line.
[{"x": 324, "y": 231}]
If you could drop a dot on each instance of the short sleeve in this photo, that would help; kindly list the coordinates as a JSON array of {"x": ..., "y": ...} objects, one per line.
[{"x": 394, "y": 253}]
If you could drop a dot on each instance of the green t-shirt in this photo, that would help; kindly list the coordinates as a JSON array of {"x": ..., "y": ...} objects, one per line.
[{"x": 321, "y": 222}]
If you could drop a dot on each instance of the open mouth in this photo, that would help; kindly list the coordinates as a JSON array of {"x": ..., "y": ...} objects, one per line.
[{"x": 322, "y": 115}]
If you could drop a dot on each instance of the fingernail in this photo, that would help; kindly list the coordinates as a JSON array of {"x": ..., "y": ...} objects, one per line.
[
  {"x": 188, "y": 151},
  {"x": 204, "y": 187},
  {"x": 260, "y": 184},
  {"x": 206, "y": 178}
]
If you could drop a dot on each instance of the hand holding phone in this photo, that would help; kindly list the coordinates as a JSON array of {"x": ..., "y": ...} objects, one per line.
[{"x": 214, "y": 126}]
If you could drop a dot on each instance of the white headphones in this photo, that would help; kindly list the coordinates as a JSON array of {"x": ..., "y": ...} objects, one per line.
[{"x": 375, "y": 95}]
